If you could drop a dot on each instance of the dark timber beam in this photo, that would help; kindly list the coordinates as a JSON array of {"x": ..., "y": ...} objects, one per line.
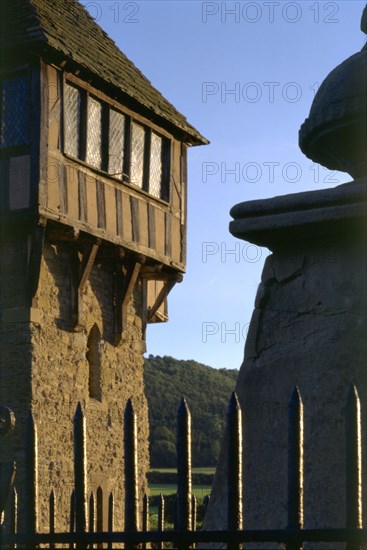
[
  {"x": 88, "y": 264},
  {"x": 80, "y": 275},
  {"x": 126, "y": 276},
  {"x": 166, "y": 289}
]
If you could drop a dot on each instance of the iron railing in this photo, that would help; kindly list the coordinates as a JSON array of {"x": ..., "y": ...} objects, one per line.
[{"x": 82, "y": 534}]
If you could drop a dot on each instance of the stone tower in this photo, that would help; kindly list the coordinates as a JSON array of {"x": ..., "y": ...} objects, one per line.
[
  {"x": 92, "y": 239},
  {"x": 309, "y": 324}
]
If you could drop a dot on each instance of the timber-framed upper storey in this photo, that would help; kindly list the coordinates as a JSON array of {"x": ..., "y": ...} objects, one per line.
[{"x": 101, "y": 151}]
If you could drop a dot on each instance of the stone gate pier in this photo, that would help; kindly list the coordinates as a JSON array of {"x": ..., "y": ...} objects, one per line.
[{"x": 309, "y": 325}]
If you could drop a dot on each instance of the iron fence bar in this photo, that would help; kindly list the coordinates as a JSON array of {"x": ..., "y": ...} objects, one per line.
[
  {"x": 13, "y": 512},
  {"x": 92, "y": 515},
  {"x": 356, "y": 536},
  {"x": 31, "y": 474},
  {"x": 7, "y": 477},
  {"x": 145, "y": 516},
  {"x": 99, "y": 509},
  {"x": 234, "y": 469},
  {"x": 295, "y": 464},
  {"x": 131, "y": 471},
  {"x": 184, "y": 485},
  {"x": 52, "y": 513},
  {"x": 160, "y": 518},
  {"x": 111, "y": 511},
  {"x": 194, "y": 511},
  {"x": 80, "y": 472},
  {"x": 353, "y": 463},
  {"x": 72, "y": 516}
]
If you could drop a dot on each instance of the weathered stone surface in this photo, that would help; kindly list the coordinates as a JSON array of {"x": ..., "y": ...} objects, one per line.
[
  {"x": 44, "y": 368},
  {"x": 309, "y": 330}
]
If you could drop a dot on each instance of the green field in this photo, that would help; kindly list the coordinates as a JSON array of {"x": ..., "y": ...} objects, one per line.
[
  {"x": 166, "y": 489},
  {"x": 156, "y": 489},
  {"x": 201, "y": 470},
  {"x": 199, "y": 490}
]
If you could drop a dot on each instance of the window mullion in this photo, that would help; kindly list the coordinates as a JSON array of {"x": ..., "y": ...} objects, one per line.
[
  {"x": 146, "y": 168},
  {"x": 127, "y": 152},
  {"x": 105, "y": 136},
  {"x": 63, "y": 105},
  {"x": 84, "y": 97},
  {"x": 166, "y": 169}
]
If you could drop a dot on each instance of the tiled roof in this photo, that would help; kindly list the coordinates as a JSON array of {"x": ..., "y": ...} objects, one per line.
[{"x": 65, "y": 27}]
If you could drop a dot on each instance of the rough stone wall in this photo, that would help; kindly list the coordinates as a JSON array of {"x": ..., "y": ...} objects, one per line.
[
  {"x": 57, "y": 373},
  {"x": 15, "y": 348},
  {"x": 308, "y": 329}
]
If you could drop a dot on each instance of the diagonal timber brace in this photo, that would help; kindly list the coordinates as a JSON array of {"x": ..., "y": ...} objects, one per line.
[
  {"x": 126, "y": 276},
  {"x": 81, "y": 275},
  {"x": 166, "y": 289}
]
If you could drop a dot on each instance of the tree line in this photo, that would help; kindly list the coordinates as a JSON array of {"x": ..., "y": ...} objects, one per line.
[{"x": 207, "y": 392}]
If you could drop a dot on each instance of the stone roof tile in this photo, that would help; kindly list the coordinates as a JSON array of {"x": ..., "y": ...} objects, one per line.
[{"x": 65, "y": 27}]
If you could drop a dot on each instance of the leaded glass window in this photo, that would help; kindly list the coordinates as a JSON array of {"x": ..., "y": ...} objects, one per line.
[
  {"x": 14, "y": 111},
  {"x": 155, "y": 171},
  {"x": 116, "y": 144},
  {"x": 137, "y": 154},
  {"x": 71, "y": 120},
  {"x": 94, "y": 133}
]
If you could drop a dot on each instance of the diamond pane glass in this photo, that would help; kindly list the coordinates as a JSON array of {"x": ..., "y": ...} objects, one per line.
[
  {"x": 94, "y": 133},
  {"x": 137, "y": 154},
  {"x": 116, "y": 144},
  {"x": 14, "y": 111},
  {"x": 72, "y": 120},
  {"x": 155, "y": 173}
]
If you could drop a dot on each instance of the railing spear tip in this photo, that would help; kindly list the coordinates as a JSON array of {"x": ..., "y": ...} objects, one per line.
[
  {"x": 352, "y": 393},
  {"x": 295, "y": 395},
  {"x": 79, "y": 411},
  {"x": 30, "y": 419},
  {"x": 129, "y": 409},
  {"x": 183, "y": 409},
  {"x": 234, "y": 404}
]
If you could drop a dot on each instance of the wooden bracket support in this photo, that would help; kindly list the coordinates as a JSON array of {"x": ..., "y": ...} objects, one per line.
[
  {"x": 126, "y": 276},
  {"x": 166, "y": 289},
  {"x": 80, "y": 277}
]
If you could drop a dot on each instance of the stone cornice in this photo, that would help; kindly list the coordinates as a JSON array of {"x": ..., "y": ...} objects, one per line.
[{"x": 301, "y": 216}]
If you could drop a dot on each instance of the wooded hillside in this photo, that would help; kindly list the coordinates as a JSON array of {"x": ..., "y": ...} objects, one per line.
[{"x": 207, "y": 392}]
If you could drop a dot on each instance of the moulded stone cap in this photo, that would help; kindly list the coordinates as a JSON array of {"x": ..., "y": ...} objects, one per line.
[{"x": 335, "y": 133}]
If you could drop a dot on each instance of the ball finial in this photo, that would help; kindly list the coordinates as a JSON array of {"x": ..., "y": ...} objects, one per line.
[{"x": 364, "y": 20}]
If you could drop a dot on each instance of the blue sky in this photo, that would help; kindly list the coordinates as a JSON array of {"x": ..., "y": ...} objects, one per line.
[{"x": 245, "y": 74}]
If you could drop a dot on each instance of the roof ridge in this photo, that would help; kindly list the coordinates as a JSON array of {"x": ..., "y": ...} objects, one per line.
[{"x": 66, "y": 28}]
